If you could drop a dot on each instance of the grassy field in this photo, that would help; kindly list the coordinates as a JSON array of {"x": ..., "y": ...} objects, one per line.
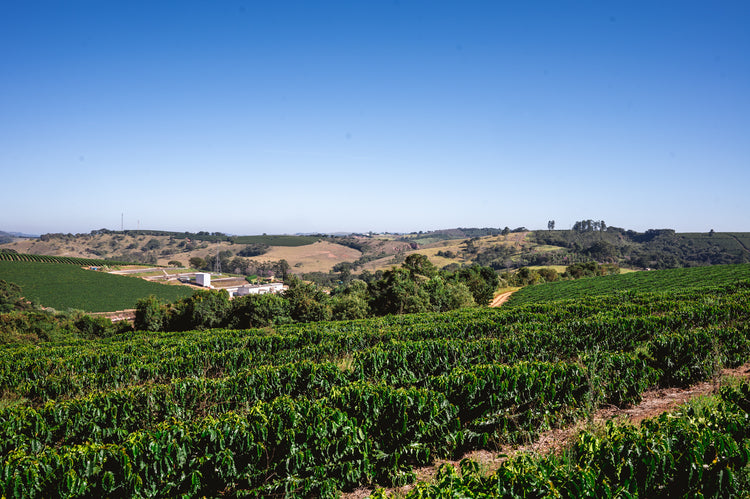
[
  {"x": 662, "y": 280},
  {"x": 64, "y": 287},
  {"x": 316, "y": 257}
]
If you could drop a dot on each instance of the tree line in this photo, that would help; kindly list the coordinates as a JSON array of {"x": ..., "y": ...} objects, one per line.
[{"x": 417, "y": 286}]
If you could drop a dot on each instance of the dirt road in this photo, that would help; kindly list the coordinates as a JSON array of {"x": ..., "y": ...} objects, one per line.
[{"x": 501, "y": 298}]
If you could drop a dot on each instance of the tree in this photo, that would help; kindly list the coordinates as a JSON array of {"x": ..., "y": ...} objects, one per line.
[
  {"x": 10, "y": 297},
  {"x": 255, "y": 249},
  {"x": 254, "y": 311},
  {"x": 397, "y": 293},
  {"x": 203, "y": 310},
  {"x": 153, "y": 244},
  {"x": 551, "y": 225},
  {"x": 481, "y": 281},
  {"x": 548, "y": 274},
  {"x": 417, "y": 264},
  {"x": 282, "y": 269},
  {"x": 307, "y": 303},
  {"x": 349, "y": 306},
  {"x": 445, "y": 295},
  {"x": 197, "y": 262},
  {"x": 150, "y": 314}
]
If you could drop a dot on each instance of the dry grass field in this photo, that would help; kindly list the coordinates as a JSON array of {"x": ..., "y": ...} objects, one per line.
[{"x": 316, "y": 257}]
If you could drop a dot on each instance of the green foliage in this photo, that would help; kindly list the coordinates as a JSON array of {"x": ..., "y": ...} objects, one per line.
[
  {"x": 197, "y": 262},
  {"x": 589, "y": 269},
  {"x": 481, "y": 281},
  {"x": 272, "y": 240},
  {"x": 693, "y": 453},
  {"x": 255, "y": 249},
  {"x": 7, "y": 256},
  {"x": 655, "y": 248},
  {"x": 307, "y": 303},
  {"x": 310, "y": 410},
  {"x": 63, "y": 287},
  {"x": 150, "y": 314},
  {"x": 663, "y": 280},
  {"x": 255, "y": 311},
  {"x": 152, "y": 244},
  {"x": 35, "y": 326},
  {"x": 10, "y": 297}
]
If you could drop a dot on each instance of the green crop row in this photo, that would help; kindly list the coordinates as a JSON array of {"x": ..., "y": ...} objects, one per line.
[
  {"x": 145, "y": 443},
  {"x": 664, "y": 280},
  {"x": 311, "y": 409},
  {"x": 69, "y": 260},
  {"x": 416, "y": 346},
  {"x": 701, "y": 452},
  {"x": 63, "y": 286}
]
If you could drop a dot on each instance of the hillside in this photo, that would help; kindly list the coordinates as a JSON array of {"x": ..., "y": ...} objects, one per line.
[
  {"x": 303, "y": 253},
  {"x": 65, "y": 286},
  {"x": 321, "y": 257},
  {"x": 333, "y": 408},
  {"x": 668, "y": 280}
]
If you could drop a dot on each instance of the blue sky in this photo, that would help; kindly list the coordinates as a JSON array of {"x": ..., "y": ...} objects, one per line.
[{"x": 303, "y": 116}]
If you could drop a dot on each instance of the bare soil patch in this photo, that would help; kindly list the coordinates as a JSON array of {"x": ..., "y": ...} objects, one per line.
[{"x": 501, "y": 298}]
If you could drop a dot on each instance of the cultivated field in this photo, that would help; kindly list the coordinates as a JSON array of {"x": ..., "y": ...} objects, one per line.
[
  {"x": 332, "y": 408},
  {"x": 65, "y": 286}
]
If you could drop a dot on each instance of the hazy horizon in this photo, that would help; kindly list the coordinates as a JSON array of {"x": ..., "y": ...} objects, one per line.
[{"x": 296, "y": 117}]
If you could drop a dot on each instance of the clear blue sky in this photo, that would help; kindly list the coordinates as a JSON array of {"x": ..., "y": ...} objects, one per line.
[{"x": 302, "y": 116}]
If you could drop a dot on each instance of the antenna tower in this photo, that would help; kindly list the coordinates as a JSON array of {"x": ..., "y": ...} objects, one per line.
[{"x": 217, "y": 263}]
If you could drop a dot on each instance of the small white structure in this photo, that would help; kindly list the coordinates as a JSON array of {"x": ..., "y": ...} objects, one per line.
[
  {"x": 203, "y": 279},
  {"x": 274, "y": 287}
]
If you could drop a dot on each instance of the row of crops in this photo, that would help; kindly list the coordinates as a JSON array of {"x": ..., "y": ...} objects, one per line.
[
  {"x": 697, "y": 451},
  {"x": 63, "y": 286},
  {"x": 6, "y": 256},
  {"x": 663, "y": 280},
  {"x": 316, "y": 409}
]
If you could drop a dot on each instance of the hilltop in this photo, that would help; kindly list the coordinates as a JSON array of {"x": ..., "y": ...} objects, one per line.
[{"x": 322, "y": 257}]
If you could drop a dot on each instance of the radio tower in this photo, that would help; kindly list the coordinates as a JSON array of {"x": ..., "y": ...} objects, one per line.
[{"x": 217, "y": 263}]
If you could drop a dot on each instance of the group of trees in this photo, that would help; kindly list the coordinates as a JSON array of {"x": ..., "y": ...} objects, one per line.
[
  {"x": 526, "y": 276},
  {"x": 240, "y": 265},
  {"x": 417, "y": 286},
  {"x": 654, "y": 248},
  {"x": 586, "y": 226}
]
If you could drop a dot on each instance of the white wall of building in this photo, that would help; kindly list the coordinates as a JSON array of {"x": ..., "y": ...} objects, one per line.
[{"x": 203, "y": 279}]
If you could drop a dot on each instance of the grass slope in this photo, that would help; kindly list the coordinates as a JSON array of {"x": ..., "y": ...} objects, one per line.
[
  {"x": 63, "y": 286},
  {"x": 651, "y": 281}
]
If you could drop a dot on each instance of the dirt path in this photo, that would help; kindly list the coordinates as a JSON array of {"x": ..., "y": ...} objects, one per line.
[
  {"x": 654, "y": 402},
  {"x": 501, "y": 298}
]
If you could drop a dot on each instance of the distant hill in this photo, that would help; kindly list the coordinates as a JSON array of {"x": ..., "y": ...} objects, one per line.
[
  {"x": 655, "y": 248},
  {"x": 7, "y": 237},
  {"x": 321, "y": 257}
]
